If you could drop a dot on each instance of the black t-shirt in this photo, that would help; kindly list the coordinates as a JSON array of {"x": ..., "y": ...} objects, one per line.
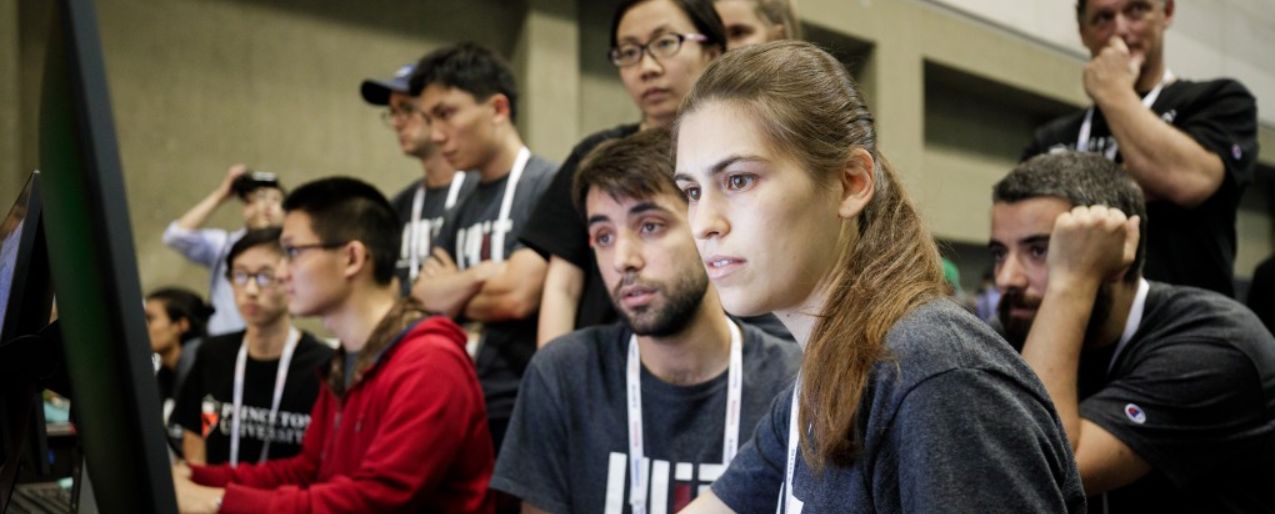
[
  {"x": 1186, "y": 246},
  {"x": 567, "y": 445},
  {"x": 557, "y": 228},
  {"x": 952, "y": 421},
  {"x": 206, "y": 406},
  {"x": 468, "y": 236},
  {"x": 1193, "y": 394},
  {"x": 431, "y": 223}
]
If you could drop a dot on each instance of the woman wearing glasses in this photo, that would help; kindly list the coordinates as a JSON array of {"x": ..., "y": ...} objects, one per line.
[
  {"x": 905, "y": 402},
  {"x": 249, "y": 394},
  {"x": 659, "y": 48}
]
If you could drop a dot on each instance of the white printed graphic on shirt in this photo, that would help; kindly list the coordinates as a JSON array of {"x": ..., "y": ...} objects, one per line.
[
  {"x": 672, "y": 484},
  {"x": 473, "y": 243},
  {"x": 289, "y": 428}
]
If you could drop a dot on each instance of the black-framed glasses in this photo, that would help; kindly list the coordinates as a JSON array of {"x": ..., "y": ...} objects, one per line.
[
  {"x": 661, "y": 47},
  {"x": 264, "y": 279},
  {"x": 394, "y": 115},
  {"x": 291, "y": 252}
]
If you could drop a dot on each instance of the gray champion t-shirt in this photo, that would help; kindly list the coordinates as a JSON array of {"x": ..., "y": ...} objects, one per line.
[
  {"x": 567, "y": 445},
  {"x": 953, "y": 421}
]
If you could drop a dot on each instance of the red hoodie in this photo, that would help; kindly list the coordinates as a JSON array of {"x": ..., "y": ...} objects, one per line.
[{"x": 410, "y": 435}]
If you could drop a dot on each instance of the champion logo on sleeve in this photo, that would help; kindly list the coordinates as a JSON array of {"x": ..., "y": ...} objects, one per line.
[
  {"x": 1236, "y": 151},
  {"x": 1135, "y": 413}
]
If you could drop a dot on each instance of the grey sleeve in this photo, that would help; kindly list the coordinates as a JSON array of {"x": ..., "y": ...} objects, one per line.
[
  {"x": 752, "y": 482},
  {"x": 533, "y": 463},
  {"x": 975, "y": 441}
]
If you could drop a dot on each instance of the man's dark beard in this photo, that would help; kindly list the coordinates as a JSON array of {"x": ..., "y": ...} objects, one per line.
[
  {"x": 1016, "y": 329},
  {"x": 682, "y": 299}
]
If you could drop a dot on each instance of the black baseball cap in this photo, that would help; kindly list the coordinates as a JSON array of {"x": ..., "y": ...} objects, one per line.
[{"x": 377, "y": 92}]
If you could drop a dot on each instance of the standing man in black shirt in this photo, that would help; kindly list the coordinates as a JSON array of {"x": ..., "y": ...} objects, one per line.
[
  {"x": 249, "y": 393},
  {"x": 421, "y": 204},
  {"x": 479, "y": 273},
  {"x": 1167, "y": 393},
  {"x": 1190, "y": 145}
]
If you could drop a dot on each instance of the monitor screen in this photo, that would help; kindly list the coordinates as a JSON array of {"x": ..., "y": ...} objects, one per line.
[{"x": 10, "y": 240}]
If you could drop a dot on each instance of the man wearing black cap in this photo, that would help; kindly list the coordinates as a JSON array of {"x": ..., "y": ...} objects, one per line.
[
  {"x": 421, "y": 204},
  {"x": 262, "y": 198}
]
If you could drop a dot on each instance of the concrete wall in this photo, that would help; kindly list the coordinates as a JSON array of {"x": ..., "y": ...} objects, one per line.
[
  {"x": 1209, "y": 38},
  {"x": 199, "y": 84}
]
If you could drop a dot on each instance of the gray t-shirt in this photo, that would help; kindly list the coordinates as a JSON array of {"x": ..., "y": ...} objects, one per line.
[
  {"x": 567, "y": 445},
  {"x": 433, "y": 208},
  {"x": 467, "y": 236},
  {"x": 953, "y": 421}
]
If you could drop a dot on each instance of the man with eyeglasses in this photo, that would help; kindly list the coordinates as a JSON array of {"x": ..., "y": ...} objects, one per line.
[
  {"x": 248, "y": 396},
  {"x": 1191, "y": 145},
  {"x": 207, "y": 247},
  {"x": 659, "y": 48},
  {"x": 399, "y": 423},
  {"x": 422, "y": 204}
]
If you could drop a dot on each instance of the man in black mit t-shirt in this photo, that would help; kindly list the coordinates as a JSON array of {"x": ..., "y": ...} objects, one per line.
[
  {"x": 267, "y": 373},
  {"x": 1190, "y": 145},
  {"x": 1167, "y": 393},
  {"x": 479, "y": 273},
  {"x": 422, "y": 204},
  {"x": 571, "y": 445}
]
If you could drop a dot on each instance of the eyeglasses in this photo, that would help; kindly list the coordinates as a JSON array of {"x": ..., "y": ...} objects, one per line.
[
  {"x": 292, "y": 252},
  {"x": 661, "y": 47},
  {"x": 263, "y": 279},
  {"x": 395, "y": 115}
]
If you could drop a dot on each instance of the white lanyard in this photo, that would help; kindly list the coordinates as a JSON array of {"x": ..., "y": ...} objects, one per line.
[
  {"x": 1082, "y": 142},
  {"x": 418, "y": 205},
  {"x": 1135, "y": 319},
  {"x": 503, "y": 223},
  {"x": 788, "y": 503},
  {"x": 280, "y": 377},
  {"x": 730, "y": 439}
]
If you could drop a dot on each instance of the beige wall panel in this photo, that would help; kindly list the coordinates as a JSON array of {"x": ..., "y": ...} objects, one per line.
[
  {"x": 11, "y": 176},
  {"x": 1254, "y": 243},
  {"x": 546, "y": 57},
  {"x": 198, "y": 85}
]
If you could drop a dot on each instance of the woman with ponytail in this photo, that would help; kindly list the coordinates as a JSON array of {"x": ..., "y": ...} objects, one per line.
[{"x": 906, "y": 402}]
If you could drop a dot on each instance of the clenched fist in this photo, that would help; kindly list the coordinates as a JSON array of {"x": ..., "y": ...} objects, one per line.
[{"x": 1095, "y": 243}]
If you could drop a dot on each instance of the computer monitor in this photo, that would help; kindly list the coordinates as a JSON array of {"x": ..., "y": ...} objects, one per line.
[
  {"x": 25, "y": 363},
  {"x": 91, "y": 261}
]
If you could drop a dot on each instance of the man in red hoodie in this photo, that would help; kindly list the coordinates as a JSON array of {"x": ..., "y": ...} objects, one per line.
[{"x": 400, "y": 425}]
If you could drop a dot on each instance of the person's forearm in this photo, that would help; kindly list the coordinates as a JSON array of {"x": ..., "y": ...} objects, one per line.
[
  {"x": 1054, "y": 343},
  {"x": 560, "y": 301},
  {"x": 707, "y": 503},
  {"x": 1165, "y": 161},
  {"x": 513, "y": 292},
  {"x": 199, "y": 214},
  {"x": 448, "y": 294},
  {"x": 193, "y": 448}
]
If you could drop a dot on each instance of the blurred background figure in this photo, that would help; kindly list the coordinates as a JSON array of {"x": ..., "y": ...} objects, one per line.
[{"x": 749, "y": 22}]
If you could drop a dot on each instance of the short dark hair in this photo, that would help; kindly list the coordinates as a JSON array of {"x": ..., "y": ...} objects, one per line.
[
  {"x": 637, "y": 167},
  {"x": 469, "y": 67},
  {"x": 181, "y": 303},
  {"x": 349, "y": 209},
  {"x": 268, "y": 237},
  {"x": 700, "y": 12},
  {"x": 1080, "y": 179}
]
